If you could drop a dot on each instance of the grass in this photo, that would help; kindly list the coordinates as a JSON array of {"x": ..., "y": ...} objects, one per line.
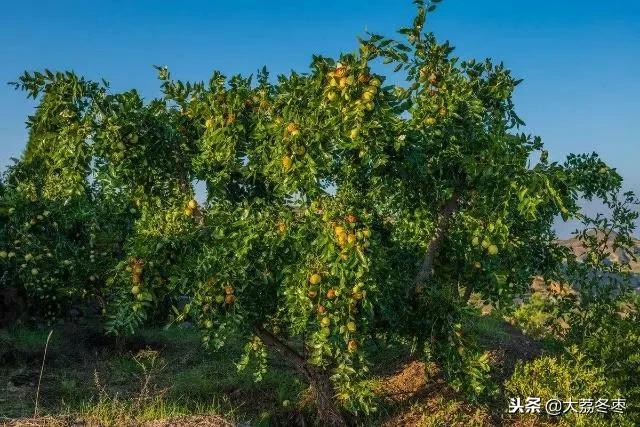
[
  {"x": 100, "y": 379},
  {"x": 165, "y": 374}
]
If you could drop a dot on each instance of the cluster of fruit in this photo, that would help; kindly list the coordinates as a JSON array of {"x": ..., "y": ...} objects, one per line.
[
  {"x": 488, "y": 238},
  {"x": 434, "y": 105},
  {"x": 316, "y": 294},
  {"x": 191, "y": 207},
  {"x": 135, "y": 267},
  {"x": 341, "y": 81},
  {"x": 228, "y": 297},
  {"x": 344, "y": 84},
  {"x": 291, "y": 133},
  {"x": 209, "y": 302},
  {"x": 349, "y": 236},
  {"x": 4, "y": 254}
]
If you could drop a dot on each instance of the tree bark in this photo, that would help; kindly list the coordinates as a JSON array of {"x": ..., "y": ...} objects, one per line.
[
  {"x": 319, "y": 381},
  {"x": 444, "y": 218},
  {"x": 467, "y": 293}
]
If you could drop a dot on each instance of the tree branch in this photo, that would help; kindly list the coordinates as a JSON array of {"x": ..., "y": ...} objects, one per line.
[
  {"x": 444, "y": 218},
  {"x": 291, "y": 356}
]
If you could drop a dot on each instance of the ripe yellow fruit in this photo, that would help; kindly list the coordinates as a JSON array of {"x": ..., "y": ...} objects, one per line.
[
  {"x": 338, "y": 230},
  {"x": 209, "y": 123},
  {"x": 352, "y": 346},
  {"x": 342, "y": 239},
  {"x": 325, "y": 322},
  {"x": 368, "y": 96},
  {"x": 315, "y": 279},
  {"x": 331, "y": 96},
  {"x": 188, "y": 212},
  {"x": 293, "y": 129},
  {"x": 135, "y": 290},
  {"x": 287, "y": 162},
  {"x": 192, "y": 204},
  {"x": 375, "y": 82},
  {"x": 351, "y": 326},
  {"x": 354, "y": 133},
  {"x": 486, "y": 243},
  {"x": 282, "y": 227},
  {"x": 366, "y": 233},
  {"x": 492, "y": 250},
  {"x": 369, "y": 106},
  {"x": 351, "y": 238},
  {"x": 430, "y": 121}
]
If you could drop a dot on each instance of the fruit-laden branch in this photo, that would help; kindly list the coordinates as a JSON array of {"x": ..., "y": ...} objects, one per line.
[
  {"x": 444, "y": 218},
  {"x": 290, "y": 355},
  {"x": 318, "y": 379}
]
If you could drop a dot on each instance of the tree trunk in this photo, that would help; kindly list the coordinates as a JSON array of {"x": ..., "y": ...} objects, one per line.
[
  {"x": 319, "y": 381},
  {"x": 467, "y": 293},
  {"x": 444, "y": 218}
]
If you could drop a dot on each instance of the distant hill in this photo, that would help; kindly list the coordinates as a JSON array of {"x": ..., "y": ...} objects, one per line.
[{"x": 616, "y": 256}]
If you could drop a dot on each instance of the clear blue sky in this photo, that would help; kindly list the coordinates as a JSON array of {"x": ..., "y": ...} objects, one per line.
[{"x": 580, "y": 59}]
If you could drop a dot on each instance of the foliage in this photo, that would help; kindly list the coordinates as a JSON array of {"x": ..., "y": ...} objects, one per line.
[
  {"x": 609, "y": 334},
  {"x": 543, "y": 315},
  {"x": 569, "y": 376},
  {"x": 57, "y": 252}
]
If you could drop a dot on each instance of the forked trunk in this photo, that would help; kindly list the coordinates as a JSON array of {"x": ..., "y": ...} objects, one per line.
[{"x": 319, "y": 381}]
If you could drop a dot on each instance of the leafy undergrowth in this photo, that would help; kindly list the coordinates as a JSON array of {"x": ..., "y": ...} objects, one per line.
[{"x": 163, "y": 377}]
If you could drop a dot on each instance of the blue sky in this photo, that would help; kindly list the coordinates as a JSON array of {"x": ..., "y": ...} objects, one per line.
[{"x": 580, "y": 60}]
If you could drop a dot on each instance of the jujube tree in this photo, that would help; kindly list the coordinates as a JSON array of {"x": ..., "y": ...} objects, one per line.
[{"x": 338, "y": 206}]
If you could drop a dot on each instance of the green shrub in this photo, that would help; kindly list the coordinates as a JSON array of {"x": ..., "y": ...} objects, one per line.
[
  {"x": 610, "y": 335},
  {"x": 570, "y": 376}
]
